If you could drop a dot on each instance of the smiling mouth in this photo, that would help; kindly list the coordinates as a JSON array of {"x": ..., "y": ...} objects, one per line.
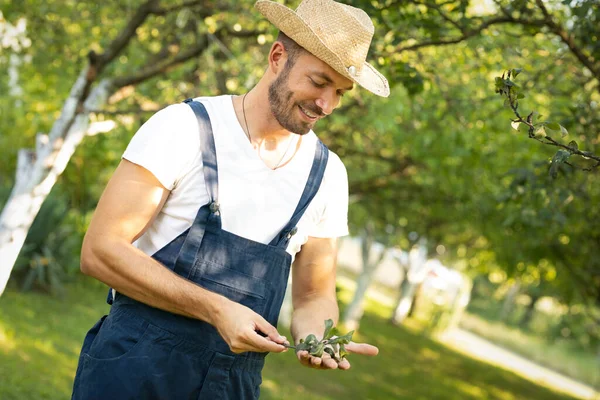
[{"x": 308, "y": 114}]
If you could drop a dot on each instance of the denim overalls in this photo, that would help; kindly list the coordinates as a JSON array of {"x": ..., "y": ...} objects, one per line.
[{"x": 141, "y": 352}]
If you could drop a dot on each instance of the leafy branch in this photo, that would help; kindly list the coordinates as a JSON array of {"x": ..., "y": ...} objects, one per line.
[
  {"x": 332, "y": 343},
  {"x": 537, "y": 129}
]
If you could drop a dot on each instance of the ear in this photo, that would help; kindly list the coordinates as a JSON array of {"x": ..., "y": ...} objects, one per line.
[{"x": 277, "y": 57}]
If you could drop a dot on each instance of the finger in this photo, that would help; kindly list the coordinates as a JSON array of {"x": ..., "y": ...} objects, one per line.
[
  {"x": 265, "y": 327},
  {"x": 303, "y": 357},
  {"x": 315, "y": 361},
  {"x": 263, "y": 344},
  {"x": 364, "y": 349},
  {"x": 344, "y": 365},
  {"x": 327, "y": 362}
]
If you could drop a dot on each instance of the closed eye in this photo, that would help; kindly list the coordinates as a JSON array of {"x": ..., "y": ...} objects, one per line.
[{"x": 319, "y": 85}]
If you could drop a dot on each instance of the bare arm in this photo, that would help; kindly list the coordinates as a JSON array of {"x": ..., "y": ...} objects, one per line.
[
  {"x": 128, "y": 206},
  {"x": 313, "y": 287},
  {"x": 314, "y": 300}
]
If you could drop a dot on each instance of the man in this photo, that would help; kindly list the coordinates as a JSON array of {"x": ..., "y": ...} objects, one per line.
[{"x": 197, "y": 229}]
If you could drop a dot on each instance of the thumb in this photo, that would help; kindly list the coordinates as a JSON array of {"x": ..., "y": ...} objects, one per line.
[
  {"x": 364, "y": 349},
  {"x": 269, "y": 330}
]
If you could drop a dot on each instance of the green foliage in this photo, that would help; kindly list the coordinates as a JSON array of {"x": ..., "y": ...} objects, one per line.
[
  {"x": 505, "y": 87},
  {"x": 41, "y": 337},
  {"x": 50, "y": 254},
  {"x": 433, "y": 160},
  {"x": 332, "y": 343},
  {"x": 573, "y": 325}
]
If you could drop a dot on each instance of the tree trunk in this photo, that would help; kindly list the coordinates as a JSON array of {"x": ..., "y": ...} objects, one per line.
[
  {"x": 355, "y": 310},
  {"x": 287, "y": 308},
  {"x": 509, "y": 301},
  {"x": 528, "y": 316},
  {"x": 405, "y": 301},
  {"x": 38, "y": 169},
  {"x": 415, "y": 272}
]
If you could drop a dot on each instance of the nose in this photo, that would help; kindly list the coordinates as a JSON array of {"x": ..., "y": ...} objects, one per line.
[{"x": 328, "y": 101}]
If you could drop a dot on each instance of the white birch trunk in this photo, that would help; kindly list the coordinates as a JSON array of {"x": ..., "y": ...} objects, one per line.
[
  {"x": 38, "y": 170},
  {"x": 355, "y": 309},
  {"x": 287, "y": 308},
  {"x": 354, "y": 312},
  {"x": 405, "y": 301}
]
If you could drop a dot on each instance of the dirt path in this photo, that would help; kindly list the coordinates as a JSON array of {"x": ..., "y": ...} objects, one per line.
[
  {"x": 479, "y": 348},
  {"x": 473, "y": 345}
]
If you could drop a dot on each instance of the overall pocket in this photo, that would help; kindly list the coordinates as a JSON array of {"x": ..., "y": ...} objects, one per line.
[
  {"x": 115, "y": 364},
  {"x": 235, "y": 285},
  {"x": 119, "y": 335}
]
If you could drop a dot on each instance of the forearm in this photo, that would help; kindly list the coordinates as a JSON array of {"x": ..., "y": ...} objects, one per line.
[
  {"x": 309, "y": 316},
  {"x": 137, "y": 275}
]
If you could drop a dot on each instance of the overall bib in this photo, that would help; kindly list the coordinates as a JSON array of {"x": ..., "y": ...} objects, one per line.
[{"x": 141, "y": 352}]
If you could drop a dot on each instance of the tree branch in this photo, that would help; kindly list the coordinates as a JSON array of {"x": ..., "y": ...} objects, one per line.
[
  {"x": 165, "y": 66},
  {"x": 567, "y": 39},
  {"x": 177, "y": 7},
  {"x": 438, "y": 8},
  {"x": 117, "y": 45},
  {"x": 473, "y": 32}
]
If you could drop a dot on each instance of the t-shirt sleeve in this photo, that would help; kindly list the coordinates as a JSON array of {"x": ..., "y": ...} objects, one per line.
[
  {"x": 166, "y": 145},
  {"x": 334, "y": 220}
]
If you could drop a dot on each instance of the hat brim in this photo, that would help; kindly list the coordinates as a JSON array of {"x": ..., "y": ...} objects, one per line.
[{"x": 287, "y": 21}]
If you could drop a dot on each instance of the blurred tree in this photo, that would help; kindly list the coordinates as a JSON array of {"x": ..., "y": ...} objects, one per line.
[
  {"x": 436, "y": 157},
  {"x": 183, "y": 38}
]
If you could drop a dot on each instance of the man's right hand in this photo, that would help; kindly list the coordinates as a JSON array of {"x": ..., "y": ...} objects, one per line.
[{"x": 244, "y": 330}]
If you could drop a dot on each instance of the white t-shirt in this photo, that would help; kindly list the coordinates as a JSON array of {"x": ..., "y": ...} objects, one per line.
[{"x": 255, "y": 201}]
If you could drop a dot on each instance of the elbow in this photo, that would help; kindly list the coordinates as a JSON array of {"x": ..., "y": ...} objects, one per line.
[
  {"x": 87, "y": 263},
  {"x": 90, "y": 262}
]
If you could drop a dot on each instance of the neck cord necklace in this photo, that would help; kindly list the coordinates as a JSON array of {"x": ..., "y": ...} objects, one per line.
[{"x": 250, "y": 139}]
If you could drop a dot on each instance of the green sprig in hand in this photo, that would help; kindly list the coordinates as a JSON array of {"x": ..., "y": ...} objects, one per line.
[{"x": 332, "y": 343}]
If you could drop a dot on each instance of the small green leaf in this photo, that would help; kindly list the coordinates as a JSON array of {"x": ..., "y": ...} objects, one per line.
[
  {"x": 311, "y": 339},
  {"x": 520, "y": 96},
  {"x": 560, "y": 157},
  {"x": 563, "y": 131},
  {"x": 541, "y": 132},
  {"x": 302, "y": 346},
  {"x": 330, "y": 351},
  {"x": 317, "y": 351},
  {"x": 516, "y": 71},
  {"x": 552, "y": 125},
  {"x": 328, "y": 329},
  {"x": 507, "y": 103},
  {"x": 346, "y": 338},
  {"x": 335, "y": 347},
  {"x": 343, "y": 352}
]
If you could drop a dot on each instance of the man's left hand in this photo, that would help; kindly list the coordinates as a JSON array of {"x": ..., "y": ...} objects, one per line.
[{"x": 326, "y": 362}]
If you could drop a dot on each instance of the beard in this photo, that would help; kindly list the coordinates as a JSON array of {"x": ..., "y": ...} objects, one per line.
[{"x": 283, "y": 106}]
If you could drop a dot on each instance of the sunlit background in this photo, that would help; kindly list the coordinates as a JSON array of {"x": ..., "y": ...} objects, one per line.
[{"x": 474, "y": 256}]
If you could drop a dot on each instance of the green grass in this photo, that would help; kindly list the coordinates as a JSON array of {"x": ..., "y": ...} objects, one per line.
[
  {"x": 40, "y": 337},
  {"x": 561, "y": 357}
]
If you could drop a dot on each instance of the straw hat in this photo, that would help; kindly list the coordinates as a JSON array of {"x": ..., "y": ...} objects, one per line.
[{"x": 336, "y": 33}]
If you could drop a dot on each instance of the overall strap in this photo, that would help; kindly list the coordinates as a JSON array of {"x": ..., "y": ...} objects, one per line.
[
  {"x": 207, "y": 146},
  {"x": 208, "y": 212},
  {"x": 310, "y": 190}
]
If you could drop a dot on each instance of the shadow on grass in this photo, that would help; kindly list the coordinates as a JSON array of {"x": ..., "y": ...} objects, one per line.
[
  {"x": 409, "y": 366},
  {"x": 40, "y": 338}
]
